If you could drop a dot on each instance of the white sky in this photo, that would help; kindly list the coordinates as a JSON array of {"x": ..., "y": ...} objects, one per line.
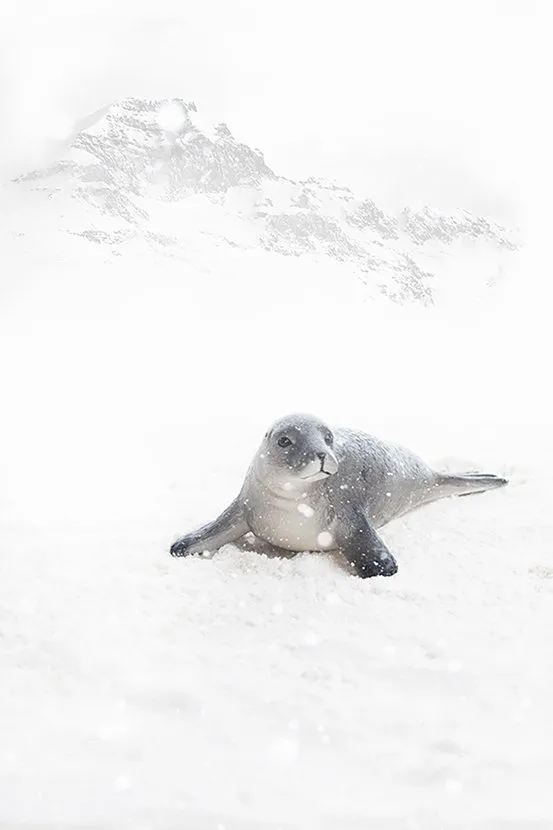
[{"x": 434, "y": 100}]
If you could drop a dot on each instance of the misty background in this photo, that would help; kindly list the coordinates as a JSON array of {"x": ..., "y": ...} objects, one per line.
[
  {"x": 426, "y": 102},
  {"x": 434, "y": 103}
]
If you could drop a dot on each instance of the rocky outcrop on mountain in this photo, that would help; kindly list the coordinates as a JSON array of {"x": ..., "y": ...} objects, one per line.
[
  {"x": 154, "y": 168},
  {"x": 428, "y": 225},
  {"x": 367, "y": 216}
]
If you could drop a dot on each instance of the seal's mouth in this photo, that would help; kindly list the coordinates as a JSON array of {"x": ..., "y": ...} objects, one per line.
[
  {"x": 318, "y": 476},
  {"x": 325, "y": 465},
  {"x": 329, "y": 464}
]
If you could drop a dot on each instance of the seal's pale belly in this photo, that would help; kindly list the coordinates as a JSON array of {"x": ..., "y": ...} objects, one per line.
[{"x": 296, "y": 527}]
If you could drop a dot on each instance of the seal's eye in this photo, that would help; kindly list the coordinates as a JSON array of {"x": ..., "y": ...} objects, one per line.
[
  {"x": 329, "y": 438},
  {"x": 283, "y": 441}
]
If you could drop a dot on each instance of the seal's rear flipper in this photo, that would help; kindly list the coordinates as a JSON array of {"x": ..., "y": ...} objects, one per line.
[{"x": 468, "y": 484}]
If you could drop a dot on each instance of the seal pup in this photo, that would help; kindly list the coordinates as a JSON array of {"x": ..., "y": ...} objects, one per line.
[{"x": 311, "y": 488}]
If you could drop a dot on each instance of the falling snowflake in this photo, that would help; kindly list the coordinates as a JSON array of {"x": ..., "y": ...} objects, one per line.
[
  {"x": 285, "y": 749},
  {"x": 122, "y": 782},
  {"x": 454, "y": 786},
  {"x": 171, "y": 116},
  {"x": 325, "y": 539}
]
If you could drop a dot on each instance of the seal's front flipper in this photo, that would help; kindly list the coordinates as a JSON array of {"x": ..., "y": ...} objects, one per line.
[
  {"x": 468, "y": 484},
  {"x": 228, "y": 527},
  {"x": 363, "y": 547}
]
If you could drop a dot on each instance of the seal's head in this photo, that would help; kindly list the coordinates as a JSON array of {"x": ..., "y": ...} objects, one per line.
[{"x": 299, "y": 448}]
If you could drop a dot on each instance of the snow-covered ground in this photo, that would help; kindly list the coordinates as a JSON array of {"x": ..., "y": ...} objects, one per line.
[{"x": 244, "y": 692}]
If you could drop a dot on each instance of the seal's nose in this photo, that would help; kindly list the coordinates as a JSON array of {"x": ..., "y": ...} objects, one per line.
[{"x": 328, "y": 461}]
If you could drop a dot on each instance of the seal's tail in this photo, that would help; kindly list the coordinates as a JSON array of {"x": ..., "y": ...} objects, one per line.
[{"x": 468, "y": 484}]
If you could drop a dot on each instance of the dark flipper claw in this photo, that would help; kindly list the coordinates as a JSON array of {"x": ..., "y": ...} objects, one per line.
[
  {"x": 179, "y": 548},
  {"x": 367, "y": 565}
]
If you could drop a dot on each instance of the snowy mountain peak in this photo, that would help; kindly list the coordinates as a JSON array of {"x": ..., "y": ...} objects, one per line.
[
  {"x": 156, "y": 169},
  {"x": 145, "y": 140}
]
